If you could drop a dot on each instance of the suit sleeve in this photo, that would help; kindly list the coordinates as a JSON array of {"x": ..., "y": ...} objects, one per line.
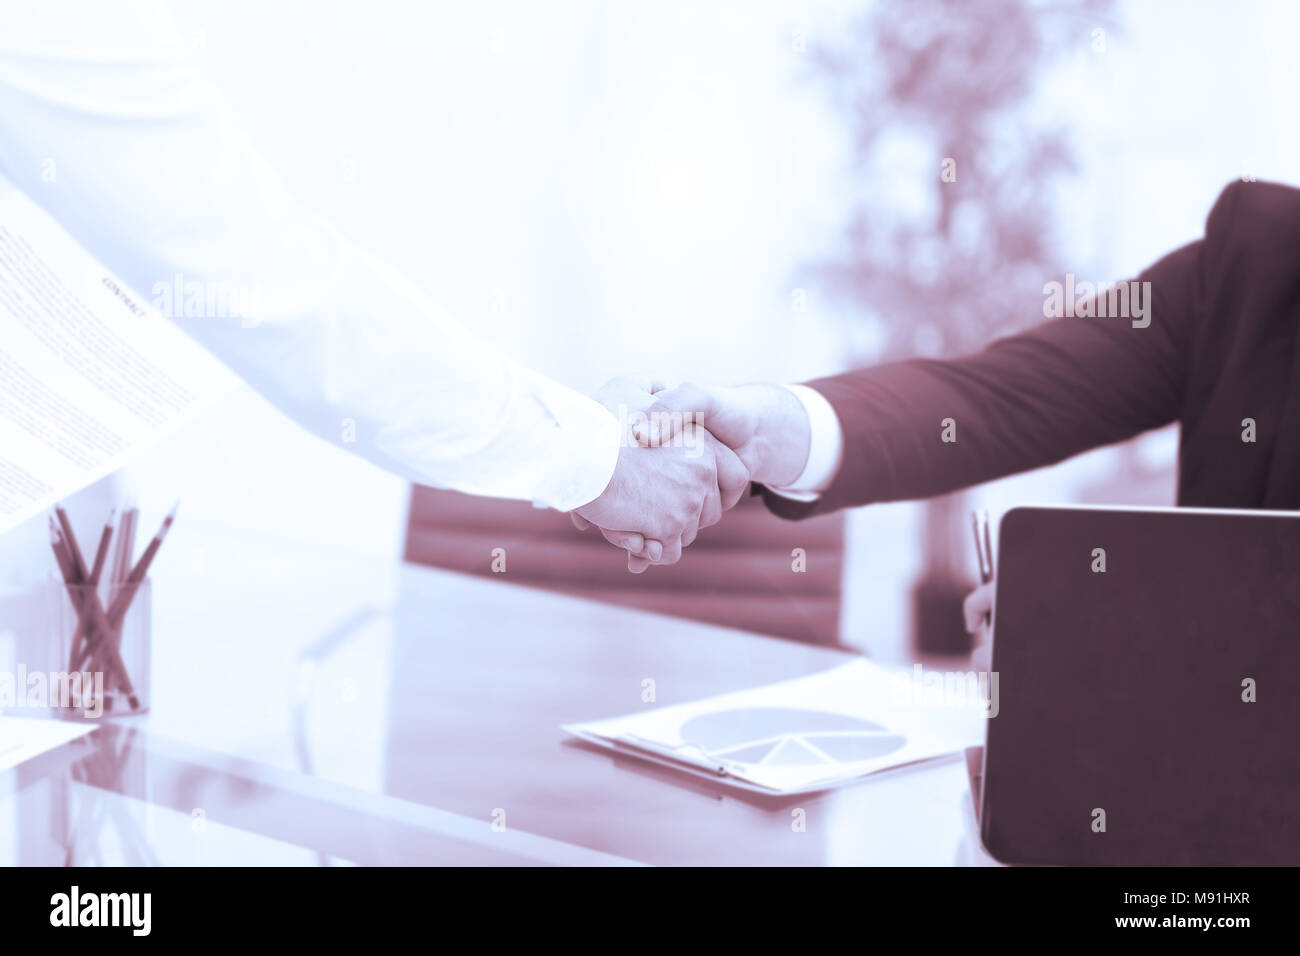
[{"x": 1025, "y": 401}]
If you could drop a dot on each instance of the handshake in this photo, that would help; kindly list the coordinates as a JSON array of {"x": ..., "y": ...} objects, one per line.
[{"x": 687, "y": 455}]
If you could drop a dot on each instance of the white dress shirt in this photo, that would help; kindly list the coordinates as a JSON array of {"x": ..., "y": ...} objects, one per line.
[{"x": 107, "y": 124}]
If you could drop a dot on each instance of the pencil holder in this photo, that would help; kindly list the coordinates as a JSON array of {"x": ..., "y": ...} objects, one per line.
[{"x": 103, "y": 650}]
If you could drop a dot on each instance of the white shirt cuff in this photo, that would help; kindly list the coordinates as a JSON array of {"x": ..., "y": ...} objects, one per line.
[
  {"x": 825, "y": 447},
  {"x": 584, "y": 448}
]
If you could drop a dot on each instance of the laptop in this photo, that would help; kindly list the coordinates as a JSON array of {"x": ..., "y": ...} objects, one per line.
[{"x": 1148, "y": 667}]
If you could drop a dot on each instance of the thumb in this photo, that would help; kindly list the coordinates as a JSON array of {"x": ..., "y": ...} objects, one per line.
[
  {"x": 646, "y": 383},
  {"x": 978, "y": 603},
  {"x": 671, "y": 412}
]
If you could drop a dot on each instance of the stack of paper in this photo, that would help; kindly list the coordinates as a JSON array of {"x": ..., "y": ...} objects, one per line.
[
  {"x": 90, "y": 374},
  {"x": 806, "y": 734},
  {"x": 22, "y": 738}
]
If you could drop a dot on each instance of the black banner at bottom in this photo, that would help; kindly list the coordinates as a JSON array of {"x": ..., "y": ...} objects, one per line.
[{"x": 336, "y": 904}]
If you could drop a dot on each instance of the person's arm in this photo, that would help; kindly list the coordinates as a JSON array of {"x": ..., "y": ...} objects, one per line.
[
  {"x": 106, "y": 123},
  {"x": 926, "y": 427},
  {"x": 1025, "y": 401}
]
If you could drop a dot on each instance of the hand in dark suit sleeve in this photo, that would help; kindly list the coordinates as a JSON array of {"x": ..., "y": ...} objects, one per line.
[{"x": 1025, "y": 401}]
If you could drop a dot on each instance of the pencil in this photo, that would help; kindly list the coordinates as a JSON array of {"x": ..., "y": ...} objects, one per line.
[
  {"x": 93, "y": 581},
  {"x": 64, "y": 562},
  {"x": 102, "y": 551},
  {"x": 60, "y": 555},
  {"x": 90, "y": 600},
  {"x": 75, "y": 589},
  {"x": 125, "y": 546},
  {"x": 141, "y": 569},
  {"x": 983, "y": 550},
  {"x": 122, "y": 602},
  {"x": 91, "y": 616},
  {"x": 70, "y": 541}
]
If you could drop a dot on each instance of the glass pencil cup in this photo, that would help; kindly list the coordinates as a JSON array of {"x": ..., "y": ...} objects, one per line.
[{"x": 103, "y": 650}]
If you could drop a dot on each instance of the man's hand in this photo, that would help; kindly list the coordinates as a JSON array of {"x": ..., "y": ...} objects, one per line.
[
  {"x": 977, "y": 610},
  {"x": 765, "y": 425},
  {"x": 659, "y": 498}
]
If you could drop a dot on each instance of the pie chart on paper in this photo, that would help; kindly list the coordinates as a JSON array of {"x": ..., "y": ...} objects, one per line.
[{"x": 780, "y": 736}]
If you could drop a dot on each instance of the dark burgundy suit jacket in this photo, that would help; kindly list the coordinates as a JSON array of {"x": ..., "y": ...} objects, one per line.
[{"x": 1223, "y": 345}]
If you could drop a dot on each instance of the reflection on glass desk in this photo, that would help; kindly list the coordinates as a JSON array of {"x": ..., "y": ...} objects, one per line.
[{"x": 318, "y": 708}]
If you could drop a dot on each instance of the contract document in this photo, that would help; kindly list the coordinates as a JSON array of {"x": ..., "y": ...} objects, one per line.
[
  {"x": 90, "y": 373},
  {"x": 22, "y": 738}
]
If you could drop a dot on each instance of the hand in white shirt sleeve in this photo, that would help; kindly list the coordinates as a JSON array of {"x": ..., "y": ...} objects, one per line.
[
  {"x": 106, "y": 124},
  {"x": 826, "y": 446}
]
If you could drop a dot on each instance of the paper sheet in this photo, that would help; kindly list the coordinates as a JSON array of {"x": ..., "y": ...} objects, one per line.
[
  {"x": 809, "y": 733},
  {"x": 89, "y": 373},
  {"x": 22, "y": 738}
]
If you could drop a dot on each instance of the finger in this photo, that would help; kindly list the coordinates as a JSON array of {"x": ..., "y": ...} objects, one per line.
[
  {"x": 692, "y": 529},
  {"x": 672, "y": 552},
  {"x": 648, "y": 551},
  {"x": 645, "y": 383},
  {"x": 579, "y": 522},
  {"x": 976, "y": 605},
  {"x": 711, "y": 512},
  {"x": 629, "y": 541},
  {"x": 667, "y": 415},
  {"x": 733, "y": 477}
]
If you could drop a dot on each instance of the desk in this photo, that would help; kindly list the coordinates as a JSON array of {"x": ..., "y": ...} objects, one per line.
[{"x": 314, "y": 707}]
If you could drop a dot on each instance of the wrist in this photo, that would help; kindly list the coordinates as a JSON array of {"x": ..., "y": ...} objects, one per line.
[
  {"x": 782, "y": 434},
  {"x": 585, "y": 461}
]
